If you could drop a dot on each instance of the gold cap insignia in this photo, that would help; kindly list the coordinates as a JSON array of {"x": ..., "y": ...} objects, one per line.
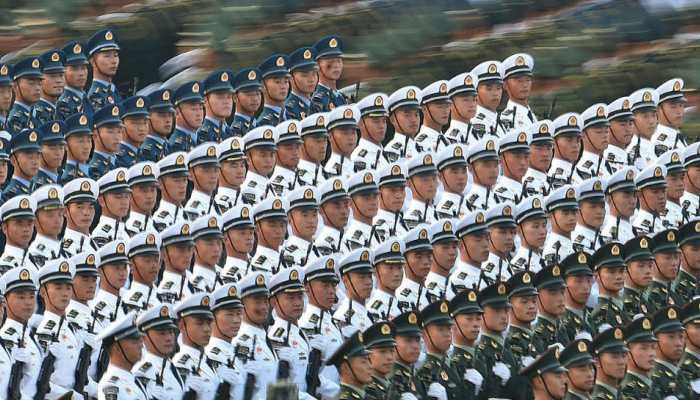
[
  {"x": 83, "y": 120},
  {"x": 292, "y": 127},
  {"x": 427, "y": 159},
  {"x": 471, "y": 296},
  {"x": 260, "y": 280},
  {"x": 77, "y": 48},
  {"x": 625, "y": 104},
  {"x": 671, "y": 236},
  {"x": 618, "y": 334},
  {"x": 320, "y": 121},
  {"x": 293, "y": 275},
  {"x": 536, "y": 203},
  {"x": 211, "y": 151},
  {"x": 267, "y": 134},
  {"x": 24, "y": 204},
  {"x": 526, "y": 278},
  {"x": 364, "y": 256},
  {"x": 572, "y": 120},
  {"x": 330, "y": 263},
  {"x": 556, "y": 271},
  {"x": 235, "y": 144},
  {"x": 412, "y": 318},
  {"x": 522, "y": 137},
  {"x": 646, "y": 96},
  {"x": 245, "y": 212},
  {"x": 672, "y": 313},
  {"x": 140, "y": 102},
  {"x": 3, "y": 70},
  {"x": 109, "y": 36},
  {"x": 582, "y": 347},
  {"x": 308, "y": 194},
  {"x": 600, "y": 112},
  {"x": 185, "y": 230},
  {"x": 90, "y": 260},
  {"x": 447, "y": 226},
  {"x": 166, "y": 95},
  {"x": 205, "y": 301},
  {"x": 180, "y": 160},
  {"x": 520, "y": 61},
  {"x": 55, "y": 57},
  {"x": 386, "y": 330},
  {"x": 121, "y": 176},
  {"x": 151, "y": 239},
  {"x": 252, "y": 75},
  {"x": 147, "y": 170},
  {"x": 347, "y": 113},
  {"x": 115, "y": 111},
  {"x": 63, "y": 267},
  {"x": 307, "y": 54},
  {"x": 507, "y": 210},
  {"x": 646, "y": 324},
  {"x": 501, "y": 289},
  {"x": 480, "y": 218},
  {"x": 444, "y": 307},
  {"x": 675, "y": 157},
  {"x": 458, "y": 152},
  {"x": 423, "y": 234},
  {"x": 280, "y": 62},
  {"x": 544, "y": 128},
  {"x": 629, "y": 175},
  {"x": 378, "y": 101},
  {"x": 33, "y": 136},
  {"x": 337, "y": 184},
  {"x": 396, "y": 247},
  {"x": 677, "y": 86},
  {"x": 493, "y": 68},
  {"x": 657, "y": 172},
  {"x": 597, "y": 185},
  {"x": 55, "y": 127},
  {"x": 644, "y": 243},
  {"x": 570, "y": 193},
  {"x": 53, "y": 193},
  {"x": 277, "y": 204},
  {"x": 411, "y": 94},
  {"x": 615, "y": 250},
  {"x": 164, "y": 312},
  {"x": 368, "y": 178},
  {"x": 195, "y": 87},
  {"x": 85, "y": 186},
  {"x": 468, "y": 80},
  {"x": 333, "y": 43},
  {"x": 212, "y": 222},
  {"x": 490, "y": 145},
  {"x": 121, "y": 248},
  {"x": 35, "y": 63},
  {"x": 443, "y": 87},
  {"x": 396, "y": 170},
  {"x": 224, "y": 77},
  {"x": 582, "y": 258},
  {"x": 24, "y": 275}
]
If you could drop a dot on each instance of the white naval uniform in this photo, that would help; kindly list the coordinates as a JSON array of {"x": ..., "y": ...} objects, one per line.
[
  {"x": 367, "y": 156},
  {"x": 641, "y": 152},
  {"x": 107, "y": 306},
  {"x": 75, "y": 242},
  {"x": 226, "y": 198},
  {"x": 137, "y": 223},
  {"x": 588, "y": 166},
  {"x": 508, "y": 189},
  {"x": 309, "y": 173},
  {"x": 140, "y": 296},
  {"x": 647, "y": 223},
  {"x": 614, "y": 159},
  {"x": 460, "y": 132},
  {"x": 282, "y": 180},
  {"x": 234, "y": 269},
  {"x": 358, "y": 234},
  {"x": 254, "y": 188},
  {"x": 436, "y": 286},
  {"x": 450, "y": 205},
  {"x": 107, "y": 230},
  {"x": 329, "y": 240},
  {"x": 251, "y": 346},
  {"x": 5, "y": 365},
  {"x": 480, "y": 198},
  {"x": 155, "y": 371},
  {"x": 11, "y": 334},
  {"x": 617, "y": 228},
  {"x": 411, "y": 295},
  {"x": 14, "y": 257},
  {"x": 194, "y": 361},
  {"x": 284, "y": 334},
  {"x": 297, "y": 251},
  {"x": 167, "y": 214},
  {"x": 527, "y": 260},
  {"x": 560, "y": 173},
  {"x": 690, "y": 203},
  {"x": 314, "y": 322},
  {"x": 204, "y": 278},
  {"x": 221, "y": 353},
  {"x": 43, "y": 249},
  {"x": 382, "y": 305},
  {"x": 557, "y": 248},
  {"x": 517, "y": 115},
  {"x": 351, "y": 314},
  {"x": 586, "y": 239},
  {"x": 673, "y": 214},
  {"x": 535, "y": 183},
  {"x": 117, "y": 383},
  {"x": 266, "y": 260},
  {"x": 464, "y": 276},
  {"x": 426, "y": 140},
  {"x": 666, "y": 138},
  {"x": 173, "y": 287},
  {"x": 200, "y": 204},
  {"x": 389, "y": 224},
  {"x": 338, "y": 165},
  {"x": 400, "y": 147},
  {"x": 80, "y": 314},
  {"x": 487, "y": 122},
  {"x": 495, "y": 265}
]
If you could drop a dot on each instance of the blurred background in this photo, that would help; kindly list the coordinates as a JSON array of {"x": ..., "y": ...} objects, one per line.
[{"x": 585, "y": 51}]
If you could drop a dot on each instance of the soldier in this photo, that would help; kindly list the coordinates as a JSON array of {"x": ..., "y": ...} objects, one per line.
[
  {"x": 644, "y": 104},
  {"x": 380, "y": 342},
  {"x": 204, "y": 170},
  {"x": 177, "y": 251},
  {"x": 103, "y": 54},
  {"x": 160, "y": 118},
  {"x": 501, "y": 227},
  {"x": 591, "y": 215},
  {"x": 270, "y": 217},
  {"x": 671, "y": 112},
  {"x": 685, "y": 285},
  {"x": 411, "y": 293},
  {"x": 208, "y": 248},
  {"x": 314, "y": 137},
  {"x": 562, "y": 207},
  {"x": 666, "y": 265},
  {"x": 666, "y": 378},
  {"x": 239, "y": 240},
  {"x": 444, "y": 244},
  {"x": 473, "y": 236},
  {"x": 144, "y": 261},
  {"x": 435, "y": 106},
  {"x": 155, "y": 370},
  {"x": 639, "y": 261},
  {"x": 143, "y": 182},
  {"x": 274, "y": 72},
  {"x": 551, "y": 306},
  {"x": 302, "y": 215},
  {"x": 689, "y": 363},
  {"x": 231, "y": 174},
  {"x": 18, "y": 219},
  {"x": 288, "y": 148},
  {"x": 651, "y": 188},
  {"x": 609, "y": 269},
  {"x": 334, "y": 205},
  {"x": 462, "y": 91},
  {"x": 172, "y": 178},
  {"x": 369, "y": 153},
  {"x": 690, "y": 200},
  {"x": 53, "y": 82},
  {"x": 595, "y": 137},
  {"x": 547, "y": 376},
  {"x": 78, "y": 136},
  {"x": 532, "y": 231},
  {"x": 610, "y": 355},
  {"x": 5, "y": 93},
  {"x": 123, "y": 343},
  {"x": 389, "y": 263},
  {"x": 580, "y": 374},
  {"x": 49, "y": 224},
  {"x": 353, "y": 364},
  {"x": 329, "y": 56},
  {"x": 341, "y": 124},
  {"x": 621, "y": 120},
  {"x": 304, "y": 77},
  {"x": 517, "y": 82},
  {"x": 24, "y": 158},
  {"x": 675, "y": 187},
  {"x": 620, "y": 193},
  {"x": 489, "y": 92},
  {"x": 452, "y": 170},
  {"x": 514, "y": 152},
  {"x": 578, "y": 277},
  {"x": 259, "y": 148},
  {"x": 107, "y": 304},
  {"x": 134, "y": 116},
  {"x": 189, "y": 115},
  {"x": 535, "y": 181},
  {"x": 80, "y": 199},
  {"x": 408, "y": 350},
  {"x": 422, "y": 181},
  {"x": 4, "y": 156},
  {"x": 364, "y": 203},
  {"x": 404, "y": 115},
  {"x": 482, "y": 159},
  {"x": 247, "y": 98},
  {"x": 53, "y": 149},
  {"x": 114, "y": 203},
  {"x": 74, "y": 100},
  {"x": 355, "y": 270},
  {"x": 218, "y": 105},
  {"x": 523, "y": 299},
  {"x": 640, "y": 339},
  {"x": 466, "y": 312},
  {"x": 27, "y": 89},
  {"x": 392, "y": 193},
  {"x": 107, "y": 134},
  {"x": 567, "y": 146}
]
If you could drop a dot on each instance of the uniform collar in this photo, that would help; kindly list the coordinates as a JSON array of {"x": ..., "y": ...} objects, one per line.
[
  {"x": 22, "y": 180},
  {"x": 355, "y": 389},
  {"x": 668, "y": 365},
  {"x": 22, "y": 105},
  {"x": 641, "y": 377},
  {"x": 275, "y": 109},
  {"x": 52, "y": 175},
  {"x": 78, "y": 92},
  {"x": 83, "y": 167},
  {"x": 156, "y": 138},
  {"x": 306, "y": 100},
  {"x": 13, "y": 251},
  {"x": 607, "y": 387},
  {"x": 251, "y": 329},
  {"x": 244, "y": 117}
]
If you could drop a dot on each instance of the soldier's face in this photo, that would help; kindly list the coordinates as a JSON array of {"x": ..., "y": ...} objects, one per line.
[
  {"x": 288, "y": 155},
  {"x": 336, "y": 212},
  {"x": 534, "y": 232},
  {"x": 322, "y": 292},
  {"x": 331, "y": 67},
  {"x": 439, "y": 335},
  {"x": 582, "y": 378},
  {"x": 277, "y": 88},
  {"x": 198, "y": 329},
  {"x": 502, "y": 238},
  {"x": 392, "y": 197},
  {"x": 20, "y": 304},
  {"x": 220, "y": 104},
  {"x": 291, "y": 305},
  {"x": 132, "y": 348},
  {"x": 524, "y": 308},
  {"x": 623, "y": 202},
  {"x": 161, "y": 122},
  {"x": 389, "y": 275},
  {"x": 672, "y": 112},
  {"x": 592, "y": 213},
  {"x": 668, "y": 264},
  {"x": 614, "y": 364},
  {"x": 621, "y": 132},
  {"x": 611, "y": 279},
  {"x": 556, "y": 384},
  {"x": 445, "y": 253},
  {"x": 5, "y": 98},
  {"x": 144, "y": 197},
  {"x": 110, "y": 136},
  {"x": 382, "y": 360},
  {"x": 495, "y": 318},
  {"x": 28, "y": 90},
  {"x": 358, "y": 284},
  {"x": 423, "y": 186},
  {"x": 50, "y": 222},
  {"x": 53, "y": 84},
  {"x": 52, "y": 155},
  {"x": 640, "y": 273},
  {"x": 485, "y": 172},
  {"x": 248, "y": 101},
  {"x": 76, "y": 75},
  {"x": 344, "y": 140},
  {"x": 515, "y": 163},
  {"x": 519, "y": 87},
  {"x": 691, "y": 255},
  {"x": 373, "y": 128},
  {"x": 160, "y": 341},
  {"x": 116, "y": 204},
  {"x": 489, "y": 94},
  {"x": 655, "y": 198},
  {"x": 59, "y": 293},
  {"x": 136, "y": 129},
  {"x": 367, "y": 203},
  {"x": 644, "y": 354},
  {"x": 564, "y": 220},
  {"x": 80, "y": 214},
  {"x": 552, "y": 301},
  {"x": 233, "y": 173},
  {"x": 567, "y": 147},
  {"x": 113, "y": 276},
  {"x": 304, "y": 221},
  {"x": 208, "y": 250},
  {"x": 26, "y": 163},
  {"x": 692, "y": 333},
  {"x": 174, "y": 188},
  {"x": 418, "y": 263},
  {"x": 670, "y": 345},
  {"x": 147, "y": 267},
  {"x": 79, "y": 147},
  {"x": 692, "y": 176},
  {"x": 407, "y": 349},
  {"x": 406, "y": 120},
  {"x": 190, "y": 113},
  {"x": 242, "y": 239},
  {"x": 361, "y": 369},
  {"x": 645, "y": 122},
  {"x": 438, "y": 111},
  {"x": 107, "y": 62},
  {"x": 256, "y": 308},
  {"x": 541, "y": 156},
  {"x": 674, "y": 186},
  {"x": 304, "y": 82},
  {"x": 18, "y": 231},
  {"x": 596, "y": 138},
  {"x": 454, "y": 178},
  {"x": 205, "y": 177},
  {"x": 314, "y": 148},
  {"x": 228, "y": 320},
  {"x": 464, "y": 107},
  {"x": 272, "y": 231},
  {"x": 579, "y": 288},
  {"x": 84, "y": 287},
  {"x": 178, "y": 257},
  {"x": 3, "y": 172},
  {"x": 475, "y": 248},
  {"x": 261, "y": 161},
  {"x": 467, "y": 326}
]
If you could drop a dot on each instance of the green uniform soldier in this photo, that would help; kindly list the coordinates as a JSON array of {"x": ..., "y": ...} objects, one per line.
[
  {"x": 640, "y": 339},
  {"x": 402, "y": 377},
  {"x": 546, "y": 376},
  {"x": 436, "y": 374},
  {"x": 610, "y": 270},
  {"x": 686, "y": 283},
  {"x": 379, "y": 340},
  {"x": 610, "y": 360},
  {"x": 666, "y": 377},
  {"x": 578, "y": 277},
  {"x": 690, "y": 362},
  {"x": 354, "y": 368},
  {"x": 639, "y": 261},
  {"x": 466, "y": 313},
  {"x": 665, "y": 268},
  {"x": 580, "y": 374},
  {"x": 523, "y": 299},
  {"x": 550, "y": 304}
]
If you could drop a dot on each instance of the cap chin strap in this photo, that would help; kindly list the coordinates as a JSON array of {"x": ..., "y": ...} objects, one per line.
[
  {"x": 121, "y": 350},
  {"x": 546, "y": 389},
  {"x": 155, "y": 346},
  {"x": 189, "y": 124}
]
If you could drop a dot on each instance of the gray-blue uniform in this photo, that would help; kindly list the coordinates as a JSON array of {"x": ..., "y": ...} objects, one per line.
[
  {"x": 103, "y": 162},
  {"x": 50, "y": 133},
  {"x": 246, "y": 80},
  {"x": 156, "y": 147},
  {"x": 213, "y": 130},
  {"x": 132, "y": 107},
  {"x": 73, "y": 100},
  {"x": 5, "y": 80},
  {"x": 27, "y": 140},
  {"x": 20, "y": 116},
  {"x": 273, "y": 66},
  {"x": 52, "y": 62},
  {"x": 102, "y": 93},
  {"x": 324, "y": 98},
  {"x": 181, "y": 139},
  {"x": 301, "y": 60},
  {"x": 76, "y": 124}
]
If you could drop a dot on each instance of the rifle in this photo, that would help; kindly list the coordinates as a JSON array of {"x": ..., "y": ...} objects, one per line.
[
  {"x": 43, "y": 383},
  {"x": 81, "y": 369},
  {"x": 249, "y": 387},
  {"x": 313, "y": 381},
  {"x": 13, "y": 387},
  {"x": 191, "y": 394}
]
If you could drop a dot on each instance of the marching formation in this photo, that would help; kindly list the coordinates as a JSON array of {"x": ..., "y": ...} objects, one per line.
[{"x": 256, "y": 235}]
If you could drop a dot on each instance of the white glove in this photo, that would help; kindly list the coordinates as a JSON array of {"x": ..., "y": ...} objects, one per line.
[
  {"x": 695, "y": 385},
  {"x": 230, "y": 375},
  {"x": 256, "y": 368},
  {"x": 88, "y": 338},
  {"x": 22, "y": 354},
  {"x": 670, "y": 398},
  {"x": 157, "y": 392},
  {"x": 196, "y": 383},
  {"x": 328, "y": 389},
  {"x": 437, "y": 391},
  {"x": 527, "y": 360},
  {"x": 408, "y": 396},
  {"x": 501, "y": 370},
  {"x": 348, "y": 331},
  {"x": 475, "y": 378},
  {"x": 287, "y": 354},
  {"x": 318, "y": 342},
  {"x": 77, "y": 396}
]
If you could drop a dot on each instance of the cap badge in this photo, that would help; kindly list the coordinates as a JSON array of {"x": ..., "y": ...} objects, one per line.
[
  {"x": 53, "y": 193},
  {"x": 386, "y": 330},
  {"x": 164, "y": 312},
  {"x": 24, "y": 204},
  {"x": 411, "y": 94},
  {"x": 83, "y": 120},
  {"x": 677, "y": 86},
  {"x": 35, "y": 63},
  {"x": 471, "y": 296},
  {"x": 180, "y": 160},
  {"x": 646, "y": 97},
  {"x": 205, "y": 301},
  {"x": 333, "y": 43},
  {"x": 507, "y": 210},
  {"x": 109, "y": 36},
  {"x": 224, "y": 77},
  {"x": 121, "y": 248},
  {"x": 378, "y": 101},
  {"x": 147, "y": 170},
  {"x": 115, "y": 111},
  {"x": 330, "y": 263},
  {"x": 364, "y": 256},
  {"x": 444, "y": 307},
  {"x": 492, "y": 68},
  {"x": 396, "y": 170},
  {"x": 423, "y": 234},
  {"x": 151, "y": 239},
  {"x": 280, "y": 62},
  {"x": 166, "y": 95},
  {"x": 337, "y": 184},
  {"x": 657, "y": 172},
  {"x": 556, "y": 271},
  {"x": 501, "y": 289},
  {"x": 277, "y": 204},
  {"x": 480, "y": 218},
  {"x": 582, "y": 347},
  {"x": 185, "y": 229},
  {"x": 395, "y": 247},
  {"x": 468, "y": 80},
  {"x": 252, "y": 75},
  {"x": 33, "y": 136},
  {"x": 245, "y": 212},
  {"x": 121, "y": 176},
  {"x": 443, "y": 88},
  {"x": 671, "y": 236},
  {"x": 368, "y": 178},
  {"x": 618, "y": 334},
  {"x": 293, "y": 275},
  {"x": 85, "y": 186},
  {"x": 646, "y": 324},
  {"x": 672, "y": 313},
  {"x": 308, "y": 194},
  {"x": 24, "y": 275},
  {"x": 195, "y": 87},
  {"x": 212, "y": 222},
  {"x": 582, "y": 258},
  {"x": 644, "y": 243},
  {"x": 260, "y": 280},
  {"x": 347, "y": 113},
  {"x": 600, "y": 112},
  {"x": 63, "y": 267},
  {"x": 536, "y": 203},
  {"x": 615, "y": 250},
  {"x": 90, "y": 260},
  {"x": 412, "y": 318},
  {"x": 320, "y": 121},
  {"x": 139, "y": 102},
  {"x": 526, "y": 278},
  {"x": 211, "y": 151},
  {"x": 267, "y": 134},
  {"x": 572, "y": 120}
]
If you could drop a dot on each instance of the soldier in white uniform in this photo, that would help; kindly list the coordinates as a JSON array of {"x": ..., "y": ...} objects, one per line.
[
  {"x": 517, "y": 82},
  {"x": 364, "y": 203},
  {"x": 173, "y": 179},
  {"x": 620, "y": 194},
  {"x": 535, "y": 181},
  {"x": 177, "y": 252},
  {"x": 49, "y": 222},
  {"x": 302, "y": 215},
  {"x": 124, "y": 345},
  {"x": 208, "y": 248},
  {"x": 497, "y": 267},
  {"x": 462, "y": 91},
  {"x": 114, "y": 204},
  {"x": 452, "y": 170},
  {"x": 591, "y": 215},
  {"x": 567, "y": 145},
  {"x": 532, "y": 230},
  {"x": 435, "y": 103},
  {"x": 489, "y": 92},
  {"x": 355, "y": 270},
  {"x": 239, "y": 239},
  {"x": 388, "y": 273},
  {"x": 514, "y": 152},
  {"x": 671, "y": 111},
  {"x": 288, "y": 147},
  {"x": 595, "y": 137},
  {"x": 113, "y": 269},
  {"x": 651, "y": 192},
  {"x": 334, "y": 204},
  {"x": 369, "y": 153},
  {"x": 144, "y": 256},
  {"x": 472, "y": 233},
  {"x": 259, "y": 149},
  {"x": 5, "y": 358},
  {"x": 644, "y": 103},
  {"x": 444, "y": 244},
  {"x": 562, "y": 208},
  {"x": 690, "y": 200},
  {"x": 404, "y": 115},
  {"x": 143, "y": 182},
  {"x": 615, "y": 156},
  {"x": 392, "y": 194},
  {"x": 675, "y": 185},
  {"x": 313, "y": 149},
  {"x": 79, "y": 198},
  {"x": 411, "y": 294},
  {"x": 341, "y": 124},
  {"x": 482, "y": 158},
  {"x": 270, "y": 217},
  {"x": 204, "y": 172},
  {"x": 232, "y": 173},
  {"x": 18, "y": 220},
  {"x": 84, "y": 287}
]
